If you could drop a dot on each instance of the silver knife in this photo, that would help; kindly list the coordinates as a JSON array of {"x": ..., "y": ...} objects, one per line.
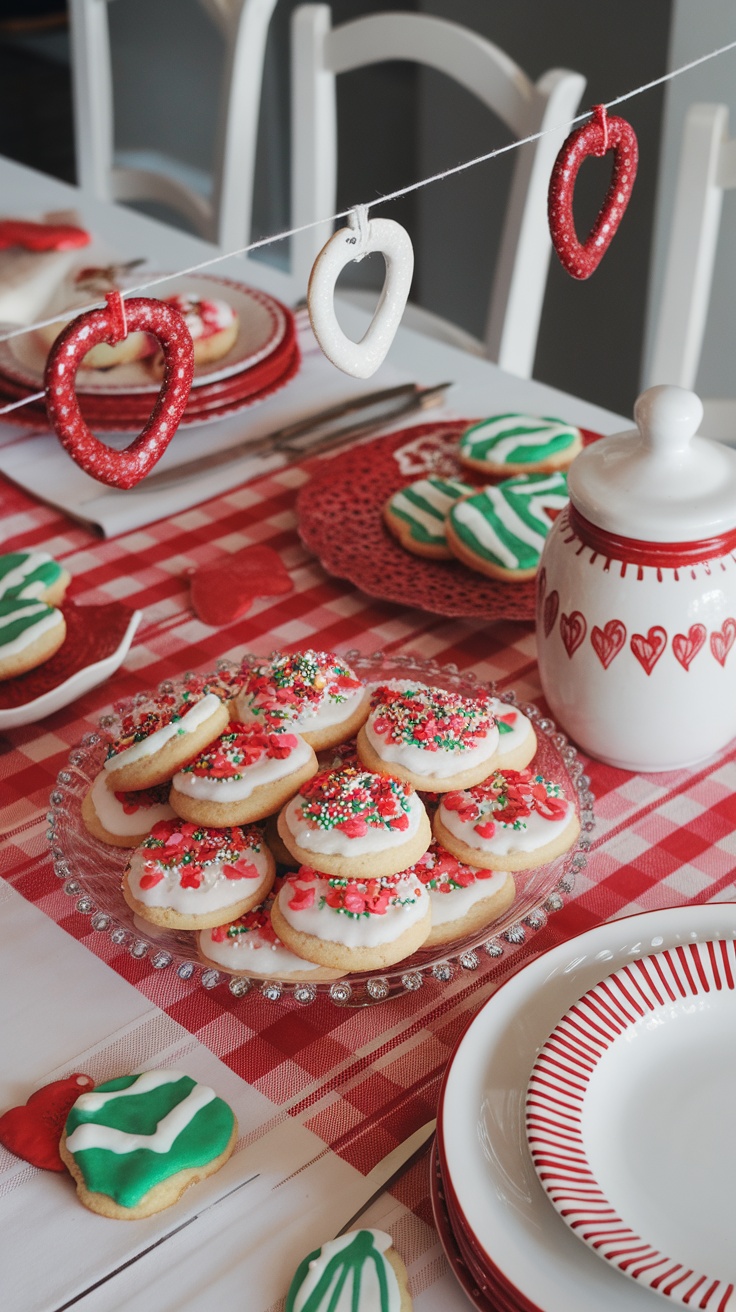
[
  {"x": 393, "y": 1165},
  {"x": 306, "y": 435}
]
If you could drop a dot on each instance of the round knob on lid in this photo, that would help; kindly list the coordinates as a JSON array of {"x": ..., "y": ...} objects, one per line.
[
  {"x": 659, "y": 482},
  {"x": 668, "y": 418}
]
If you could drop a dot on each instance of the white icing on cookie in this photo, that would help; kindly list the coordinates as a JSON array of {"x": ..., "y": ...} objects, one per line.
[
  {"x": 363, "y": 1276},
  {"x": 308, "y": 691},
  {"x": 335, "y": 842},
  {"x": 116, "y": 819},
  {"x": 252, "y": 951},
  {"x": 122, "y": 1141},
  {"x": 199, "y": 713},
  {"x": 211, "y": 889},
  {"x": 265, "y": 770},
  {"x": 517, "y": 726},
  {"x": 474, "y": 815},
  {"x": 431, "y": 732},
  {"x": 304, "y": 902}
]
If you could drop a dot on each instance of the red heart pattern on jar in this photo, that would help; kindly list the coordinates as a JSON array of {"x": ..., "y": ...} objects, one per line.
[
  {"x": 687, "y": 647},
  {"x": 722, "y": 642},
  {"x": 573, "y": 629},
  {"x": 551, "y": 606},
  {"x": 608, "y": 642},
  {"x": 649, "y": 649}
]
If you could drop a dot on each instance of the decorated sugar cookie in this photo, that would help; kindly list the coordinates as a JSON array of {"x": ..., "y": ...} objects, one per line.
[
  {"x": 30, "y": 633},
  {"x": 136, "y": 1143},
  {"x": 160, "y": 737},
  {"x": 516, "y": 820},
  {"x": 186, "y": 876},
  {"x": 313, "y": 692},
  {"x": 416, "y": 515},
  {"x": 244, "y": 775},
  {"x": 501, "y": 530},
  {"x": 435, "y": 739},
  {"x": 464, "y": 898},
  {"x": 352, "y": 924},
  {"x": 124, "y": 819},
  {"x": 251, "y": 946},
  {"x": 354, "y": 824},
  {"x": 33, "y": 575},
  {"x": 360, "y": 1269},
  {"x": 212, "y": 322},
  {"x": 517, "y": 742},
  {"x": 505, "y": 445}
]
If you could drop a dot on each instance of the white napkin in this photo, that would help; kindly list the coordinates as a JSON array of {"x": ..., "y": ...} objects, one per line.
[
  {"x": 40, "y": 465},
  {"x": 29, "y": 279}
]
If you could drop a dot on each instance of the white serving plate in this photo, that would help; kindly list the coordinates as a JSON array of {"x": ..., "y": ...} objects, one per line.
[
  {"x": 629, "y": 1120},
  {"x": 481, "y": 1129}
]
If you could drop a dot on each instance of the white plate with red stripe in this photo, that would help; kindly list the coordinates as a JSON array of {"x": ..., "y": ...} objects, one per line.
[
  {"x": 519, "y": 1241},
  {"x": 629, "y": 1119}
]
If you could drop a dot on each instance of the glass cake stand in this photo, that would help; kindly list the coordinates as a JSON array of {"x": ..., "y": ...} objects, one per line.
[{"x": 91, "y": 870}]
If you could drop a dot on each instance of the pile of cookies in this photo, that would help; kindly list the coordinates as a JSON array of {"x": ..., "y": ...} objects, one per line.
[
  {"x": 32, "y": 628},
  {"x": 498, "y": 529},
  {"x": 295, "y": 760}
]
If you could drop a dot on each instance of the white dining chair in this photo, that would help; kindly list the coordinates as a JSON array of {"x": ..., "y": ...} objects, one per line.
[
  {"x": 707, "y": 169},
  {"x": 320, "y": 52},
  {"x": 224, "y": 216}
]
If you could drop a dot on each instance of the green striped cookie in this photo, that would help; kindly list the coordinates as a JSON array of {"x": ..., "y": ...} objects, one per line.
[
  {"x": 524, "y": 444},
  {"x": 30, "y": 632},
  {"x": 501, "y": 530},
  {"x": 29, "y": 574},
  {"x": 416, "y": 514}
]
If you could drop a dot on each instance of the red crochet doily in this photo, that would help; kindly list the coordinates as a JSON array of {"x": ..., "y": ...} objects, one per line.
[{"x": 339, "y": 519}]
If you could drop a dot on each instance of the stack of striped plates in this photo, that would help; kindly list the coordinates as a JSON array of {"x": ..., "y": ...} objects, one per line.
[{"x": 591, "y": 1100}]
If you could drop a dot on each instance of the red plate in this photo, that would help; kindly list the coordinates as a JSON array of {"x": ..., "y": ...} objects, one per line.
[{"x": 339, "y": 519}]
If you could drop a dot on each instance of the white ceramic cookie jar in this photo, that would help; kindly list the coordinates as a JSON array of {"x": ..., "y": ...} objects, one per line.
[{"x": 636, "y": 593}]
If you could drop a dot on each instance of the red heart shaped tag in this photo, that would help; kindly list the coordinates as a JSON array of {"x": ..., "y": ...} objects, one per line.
[
  {"x": 41, "y": 236},
  {"x": 119, "y": 468},
  {"x": 599, "y": 135},
  {"x": 225, "y": 590},
  {"x": 34, "y": 1130}
]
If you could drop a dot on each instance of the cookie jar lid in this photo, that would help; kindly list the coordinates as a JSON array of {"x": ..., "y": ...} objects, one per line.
[{"x": 658, "y": 482}]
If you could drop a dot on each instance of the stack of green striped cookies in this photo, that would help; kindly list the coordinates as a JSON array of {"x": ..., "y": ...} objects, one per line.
[{"x": 32, "y": 628}]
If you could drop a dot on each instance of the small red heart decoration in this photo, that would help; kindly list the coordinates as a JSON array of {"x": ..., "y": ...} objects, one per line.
[
  {"x": 687, "y": 647},
  {"x": 573, "y": 628},
  {"x": 648, "y": 650},
  {"x": 607, "y": 642},
  {"x": 34, "y": 1130},
  {"x": 599, "y": 135},
  {"x": 41, "y": 236},
  {"x": 551, "y": 606},
  {"x": 119, "y": 468},
  {"x": 225, "y": 590},
  {"x": 722, "y": 642}
]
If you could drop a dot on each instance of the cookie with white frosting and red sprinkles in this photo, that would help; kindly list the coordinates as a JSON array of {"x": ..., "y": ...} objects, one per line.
[
  {"x": 124, "y": 819},
  {"x": 355, "y": 824},
  {"x": 515, "y": 820},
  {"x": 246, "y": 774},
  {"x": 313, "y": 692},
  {"x": 250, "y": 946},
  {"x": 186, "y": 876},
  {"x": 517, "y": 742},
  {"x": 464, "y": 898},
  {"x": 352, "y": 924},
  {"x": 435, "y": 739},
  {"x": 161, "y": 736}
]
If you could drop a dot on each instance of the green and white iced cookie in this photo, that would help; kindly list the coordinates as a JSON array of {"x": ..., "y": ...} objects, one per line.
[
  {"x": 416, "y": 515},
  {"x": 501, "y": 530},
  {"x": 505, "y": 445}
]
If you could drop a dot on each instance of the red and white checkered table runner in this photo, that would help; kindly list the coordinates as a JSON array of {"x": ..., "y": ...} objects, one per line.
[{"x": 360, "y": 1079}]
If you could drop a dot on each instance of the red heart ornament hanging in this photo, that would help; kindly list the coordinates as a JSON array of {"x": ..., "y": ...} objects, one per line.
[
  {"x": 141, "y": 314},
  {"x": 599, "y": 135}
]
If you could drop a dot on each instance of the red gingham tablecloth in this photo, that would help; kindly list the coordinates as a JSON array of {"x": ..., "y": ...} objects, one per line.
[{"x": 371, "y": 1075}]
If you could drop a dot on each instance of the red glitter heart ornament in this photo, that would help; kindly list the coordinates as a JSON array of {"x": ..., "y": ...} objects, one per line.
[
  {"x": 225, "y": 590},
  {"x": 142, "y": 314},
  {"x": 599, "y": 135},
  {"x": 41, "y": 236},
  {"x": 33, "y": 1131}
]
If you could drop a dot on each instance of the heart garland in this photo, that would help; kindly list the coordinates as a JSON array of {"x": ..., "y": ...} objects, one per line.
[
  {"x": 596, "y": 137},
  {"x": 141, "y": 314},
  {"x": 33, "y": 1131}
]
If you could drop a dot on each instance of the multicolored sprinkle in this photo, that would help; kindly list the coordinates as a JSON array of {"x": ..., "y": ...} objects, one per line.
[
  {"x": 354, "y": 898},
  {"x": 355, "y": 801},
  {"x": 507, "y": 798},
  {"x": 142, "y": 722},
  {"x": 243, "y": 745},
  {"x": 178, "y": 846},
  {"x": 431, "y": 718},
  {"x": 287, "y": 685}
]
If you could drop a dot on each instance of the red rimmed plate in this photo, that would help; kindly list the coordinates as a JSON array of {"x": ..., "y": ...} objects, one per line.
[
  {"x": 97, "y": 641},
  {"x": 340, "y": 521},
  {"x": 262, "y": 324}
]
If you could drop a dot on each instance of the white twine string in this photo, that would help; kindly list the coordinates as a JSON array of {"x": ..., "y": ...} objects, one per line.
[{"x": 363, "y": 209}]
